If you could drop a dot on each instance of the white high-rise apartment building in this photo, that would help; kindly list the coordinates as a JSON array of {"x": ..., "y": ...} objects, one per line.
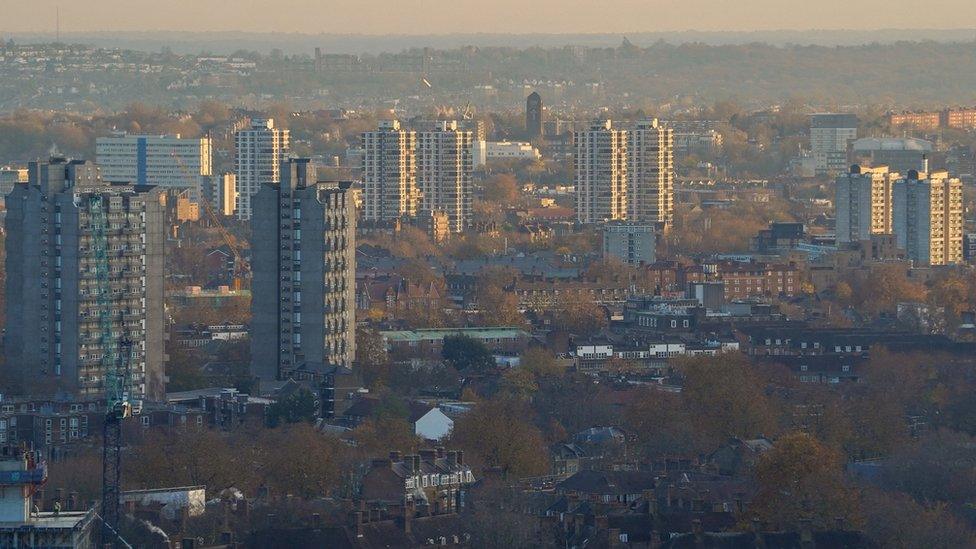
[
  {"x": 444, "y": 172},
  {"x": 167, "y": 161},
  {"x": 389, "y": 173},
  {"x": 223, "y": 193},
  {"x": 650, "y": 173},
  {"x": 863, "y": 203},
  {"x": 928, "y": 217},
  {"x": 601, "y": 173},
  {"x": 830, "y": 135},
  {"x": 258, "y": 152}
]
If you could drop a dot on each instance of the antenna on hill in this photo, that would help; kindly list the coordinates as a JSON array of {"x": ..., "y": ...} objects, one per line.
[{"x": 57, "y": 24}]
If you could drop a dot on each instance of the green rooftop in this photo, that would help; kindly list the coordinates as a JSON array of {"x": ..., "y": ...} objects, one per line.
[{"x": 490, "y": 332}]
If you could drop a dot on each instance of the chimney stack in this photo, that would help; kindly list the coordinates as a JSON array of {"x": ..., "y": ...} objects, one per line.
[
  {"x": 408, "y": 517},
  {"x": 696, "y": 529},
  {"x": 806, "y": 534}
]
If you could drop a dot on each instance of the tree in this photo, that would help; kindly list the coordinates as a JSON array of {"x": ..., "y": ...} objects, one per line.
[
  {"x": 372, "y": 360},
  {"x": 800, "y": 478},
  {"x": 502, "y": 189},
  {"x": 188, "y": 457},
  {"x": 939, "y": 467},
  {"x": 518, "y": 383},
  {"x": 575, "y": 401},
  {"x": 931, "y": 525},
  {"x": 954, "y": 294},
  {"x": 498, "y": 307},
  {"x": 662, "y": 425},
  {"x": 418, "y": 272},
  {"x": 498, "y": 276},
  {"x": 724, "y": 397},
  {"x": 73, "y": 473},
  {"x": 297, "y": 407},
  {"x": 540, "y": 362},
  {"x": 184, "y": 370},
  {"x": 497, "y": 434},
  {"x": 610, "y": 270},
  {"x": 580, "y": 315},
  {"x": 883, "y": 287},
  {"x": 377, "y": 436},
  {"x": 466, "y": 354},
  {"x": 843, "y": 292},
  {"x": 299, "y": 460}
]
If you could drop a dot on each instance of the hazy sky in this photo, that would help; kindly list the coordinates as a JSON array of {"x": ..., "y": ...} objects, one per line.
[{"x": 496, "y": 16}]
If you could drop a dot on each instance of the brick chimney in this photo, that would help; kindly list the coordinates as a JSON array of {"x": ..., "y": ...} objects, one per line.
[
  {"x": 698, "y": 532},
  {"x": 651, "y": 501},
  {"x": 408, "y": 513},
  {"x": 757, "y": 533},
  {"x": 359, "y": 524},
  {"x": 602, "y": 522},
  {"x": 806, "y": 533}
]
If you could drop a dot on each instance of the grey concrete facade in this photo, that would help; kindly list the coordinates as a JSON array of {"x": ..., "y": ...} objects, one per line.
[
  {"x": 53, "y": 341},
  {"x": 304, "y": 268},
  {"x": 631, "y": 243}
]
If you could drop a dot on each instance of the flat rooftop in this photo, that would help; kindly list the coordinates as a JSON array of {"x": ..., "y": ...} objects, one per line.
[
  {"x": 64, "y": 520},
  {"x": 495, "y": 332}
]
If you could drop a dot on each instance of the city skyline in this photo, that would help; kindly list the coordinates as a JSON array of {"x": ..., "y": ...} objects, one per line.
[
  {"x": 441, "y": 17},
  {"x": 358, "y": 274}
]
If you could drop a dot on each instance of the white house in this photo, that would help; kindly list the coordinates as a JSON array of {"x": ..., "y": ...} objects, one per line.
[{"x": 430, "y": 423}]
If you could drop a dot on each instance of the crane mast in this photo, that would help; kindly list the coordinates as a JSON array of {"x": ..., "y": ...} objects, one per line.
[{"x": 116, "y": 354}]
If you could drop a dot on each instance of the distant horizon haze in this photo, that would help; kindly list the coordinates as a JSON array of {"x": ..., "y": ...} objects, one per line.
[{"x": 436, "y": 17}]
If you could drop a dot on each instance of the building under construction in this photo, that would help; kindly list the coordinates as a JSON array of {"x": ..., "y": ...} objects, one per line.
[
  {"x": 22, "y": 524},
  {"x": 84, "y": 264}
]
